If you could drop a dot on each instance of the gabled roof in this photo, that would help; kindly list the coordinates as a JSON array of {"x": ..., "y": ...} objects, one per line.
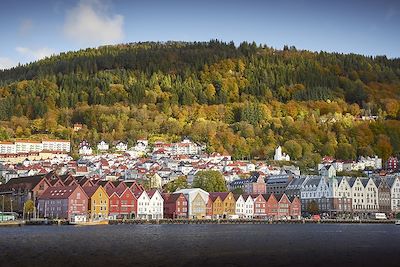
[
  {"x": 59, "y": 192},
  {"x": 351, "y": 181},
  {"x": 364, "y": 181},
  {"x": 237, "y": 196},
  {"x": 23, "y": 183},
  {"x": 172, "y": 198},
  {"x": 391, "y": 180},
  {"x": 151, "y": 192},
  {"x": 268, "y": 196},
  {"x": 221, "y": 195},
  {"x": 90, "y": 190}
]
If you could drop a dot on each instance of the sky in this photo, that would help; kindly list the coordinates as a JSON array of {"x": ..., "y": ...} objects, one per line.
[{"x": 33, "y": 29}]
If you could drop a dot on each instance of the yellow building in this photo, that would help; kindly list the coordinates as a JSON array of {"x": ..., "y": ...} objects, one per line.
[
  {"x": 223, "y": 204},
  {"x": 198, "y": 207},
  {"x": 98, "y": 202}
]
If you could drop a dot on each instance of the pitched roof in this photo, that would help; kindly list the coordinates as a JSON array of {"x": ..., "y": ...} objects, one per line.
[
  {"x": 59, "y": 192},
  {"x": 90, "y": 190},
  {"x": 151, "y": 192},
  {"x": 221, "y": 195},
  {"x": 172, "y": 198},
  {"x": 23, "y": 183}
]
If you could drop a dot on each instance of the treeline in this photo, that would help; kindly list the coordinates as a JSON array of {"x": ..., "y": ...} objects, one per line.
[{"x": 243, "y": 100}]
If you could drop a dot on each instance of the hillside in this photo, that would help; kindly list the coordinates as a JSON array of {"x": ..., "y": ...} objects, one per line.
[{"x": 242, "y": 100}]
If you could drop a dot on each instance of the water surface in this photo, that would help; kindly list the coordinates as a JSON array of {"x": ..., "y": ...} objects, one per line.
[{"x": 202, "y": 245}]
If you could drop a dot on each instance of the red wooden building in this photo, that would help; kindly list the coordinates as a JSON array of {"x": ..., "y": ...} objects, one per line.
[
  {"x": 272, "y": 206},
  {"x": 295, "y": 208},
  {"x": 260, "y": 206},
  {"x": 175, "y": 206},
  {"x": 64, "y": 202},
  {"x": 123, "y": 203}
]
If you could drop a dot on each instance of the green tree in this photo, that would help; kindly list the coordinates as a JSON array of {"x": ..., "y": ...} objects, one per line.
[
  {"x": 238, "y": 191},
  {"x": 178, "y": 183},
  {"x": 210, "y": 181},
  {"x": 294, "y": 149}
]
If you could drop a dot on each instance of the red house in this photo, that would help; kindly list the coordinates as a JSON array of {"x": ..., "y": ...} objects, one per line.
[
  {"x": 260, "y": 206},
  {"x": 272, "y": 206},
  {"x": 123, "y": 203},
  {"x": 295, "y": 208},
  {"x": 64, "y": 202},
  {"x": 175, "y": 206},
  {"x": 283, "y": 207},
  {"x": 128, "y": 204},
  {"x": 114, "y": 208}
]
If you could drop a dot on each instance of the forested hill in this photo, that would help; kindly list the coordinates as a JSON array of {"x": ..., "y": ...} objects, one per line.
[{"x": 164, "y": 90}]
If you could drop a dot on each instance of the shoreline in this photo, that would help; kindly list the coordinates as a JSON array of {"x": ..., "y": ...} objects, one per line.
[{"x": 185, "y": 221}]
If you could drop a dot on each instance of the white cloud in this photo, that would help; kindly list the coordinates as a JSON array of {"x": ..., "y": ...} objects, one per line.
[
  {"x": 6, "y": 63},
  {"x": 35, "y": 54},
  {"x": 90, "y": 23}
]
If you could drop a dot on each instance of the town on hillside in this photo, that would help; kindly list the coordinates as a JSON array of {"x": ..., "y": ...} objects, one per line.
[{"x": 169, "y": 180}]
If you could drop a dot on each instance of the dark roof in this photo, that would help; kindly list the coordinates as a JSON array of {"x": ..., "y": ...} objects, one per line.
[
  {"x": 24, "y": 183},
  {"x": 89, "y": 190},
  {"x": 221, "y": 195},
  {"x": 151, "y": 192},
  {"x": 171, "y": 198},
  {"x": 351, "y": 181},
  {"x": 267, "y": 196},
  {"x": 364, "y": 181}
]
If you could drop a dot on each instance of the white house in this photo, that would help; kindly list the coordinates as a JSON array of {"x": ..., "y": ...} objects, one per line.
[
  {"x": 186, "y": 147},
  {"x": 327, "y": 171},
  {"x": 240, "y": 206},
  {"x": 371, "y": 194},
  {"x": 318, "y": 189},
  {"x": 141, "y": 145},
  {"x": 7, "y": 147},
  {"x": 56, "y": 145},
  {"x": 342, "y": 194},
  {"x": 26, "y": 146},
  {"x": 394, "y": 183},
  {"x": 185, "y": 168},
  {"x": 156, "y": 205},
  {"x": 279, "y": 156},
  {"x": 85, "y": 150},
  {"x": 248, "y": 207},
  {"x": 121, "y": 146},
  {"x": 103, "y": 146},
  {"x": 364, "y": 194},
  {"x": 143, "y": 205}
]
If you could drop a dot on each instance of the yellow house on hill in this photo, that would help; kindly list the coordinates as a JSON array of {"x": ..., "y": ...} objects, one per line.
[{"x": 98, "y": 202}]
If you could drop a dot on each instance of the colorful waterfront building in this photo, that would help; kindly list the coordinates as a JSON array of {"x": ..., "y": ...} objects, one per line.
[
  {"x": 175, "y": 206},
  {"x": 63, "y": 202},
  {"x": 98, "y": 202}
]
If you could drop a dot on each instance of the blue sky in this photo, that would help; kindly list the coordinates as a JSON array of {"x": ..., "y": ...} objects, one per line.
[{"x": 32, "y": 29}]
